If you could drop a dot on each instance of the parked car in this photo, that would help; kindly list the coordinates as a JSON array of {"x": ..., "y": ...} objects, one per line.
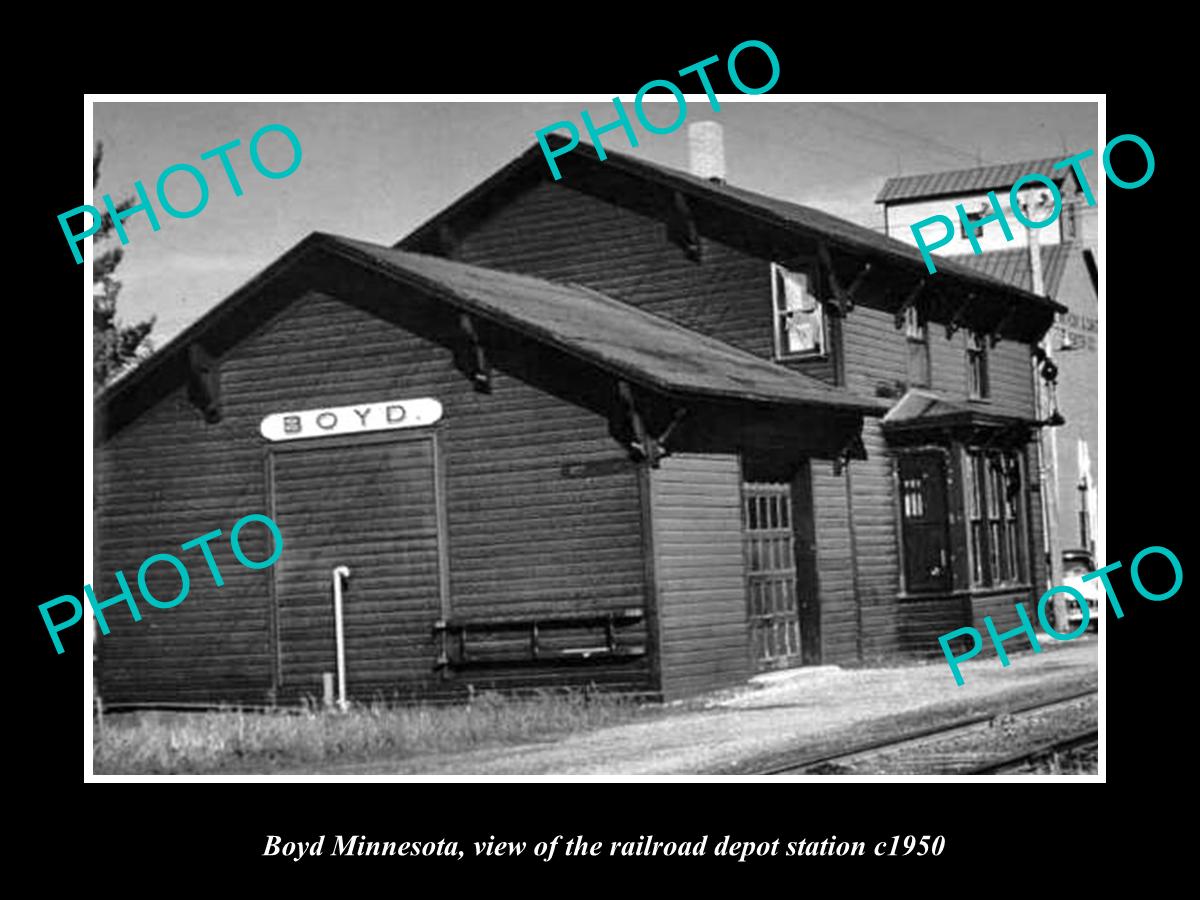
[{"x": 1076, "y": 564}]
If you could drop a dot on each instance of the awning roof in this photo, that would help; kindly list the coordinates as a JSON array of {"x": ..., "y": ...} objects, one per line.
[
  {"x": 1013, "y": 265},
  {"x": 919, "y": 409}
]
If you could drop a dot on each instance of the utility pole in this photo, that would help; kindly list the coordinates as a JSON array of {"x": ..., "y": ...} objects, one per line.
[{"x": 1048, "y": 454}]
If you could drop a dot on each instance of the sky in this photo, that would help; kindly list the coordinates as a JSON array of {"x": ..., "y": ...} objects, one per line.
[{"x": 376, "y": 170}]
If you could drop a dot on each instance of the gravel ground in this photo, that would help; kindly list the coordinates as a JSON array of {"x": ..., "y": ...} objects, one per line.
[{"x": 813, "y": 708}]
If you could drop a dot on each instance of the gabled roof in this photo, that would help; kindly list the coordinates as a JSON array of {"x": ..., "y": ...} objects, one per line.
[
  {"x": 926, "y": 409},
  {"x": 970, "y": 181},
  {"x": 584, "y": 323},
  {"x": 1013, "y": 265},
  {"x": 792, "y": 217}
]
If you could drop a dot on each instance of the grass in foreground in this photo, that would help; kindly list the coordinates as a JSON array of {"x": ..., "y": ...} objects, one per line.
[{"x": 233, "y": 741}]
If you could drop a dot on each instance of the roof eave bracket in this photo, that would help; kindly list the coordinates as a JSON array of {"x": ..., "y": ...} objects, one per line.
[
  {"x": 447, "y": 240},
  {"x": 643, "y": 447},
  {"x": 909, "y": 301},
  {"x": 204, "y": 383},
  {"x": 476, "y": 367},
  {"x": 843, "y": 297},
  {"x": 1010, "y": 313},
  {"x": 852, "y": 449},
  {"x": 956, "y": 320},
  {"x": 681, "y": 227}
]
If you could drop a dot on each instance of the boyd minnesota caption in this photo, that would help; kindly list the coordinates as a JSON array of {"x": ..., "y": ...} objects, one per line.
[{"x": 358, "y": 845}]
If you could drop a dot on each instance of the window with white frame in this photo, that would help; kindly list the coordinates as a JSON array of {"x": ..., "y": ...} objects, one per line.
[
  {"x": 799, "y": 316},
  {"x": 977, "y": 367}
]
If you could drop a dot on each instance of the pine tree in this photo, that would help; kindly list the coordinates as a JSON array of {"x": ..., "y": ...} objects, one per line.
[{"x": 115, "y": 344}]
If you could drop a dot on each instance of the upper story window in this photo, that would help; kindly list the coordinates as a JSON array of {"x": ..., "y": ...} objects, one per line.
[
  {"x": 799, "y": 316},
  {"x": 980, "y": 213},
  {"x": 917, "y": 333},
  {"x": 977, "y": 367}
]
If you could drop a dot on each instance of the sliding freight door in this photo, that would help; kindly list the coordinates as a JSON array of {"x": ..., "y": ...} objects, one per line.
[{"x": 371, "y": 506}]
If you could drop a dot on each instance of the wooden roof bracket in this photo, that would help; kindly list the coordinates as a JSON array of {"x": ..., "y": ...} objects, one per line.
[
  {"x": 681, "y": 227},
  {"x": 447, "y": 240},
  {"x": 843, "y": 297},
  {"x": 909, "y": 301},
  {"x": 1009, "y": 312},
  {"x": 204, "y": 383},
  {"x": 661, "y": 441},
  {"x": 852, "y": 449},
  {"x": 956, "y": 320},
  {"x": 479, "y": 370},
  {"x": 643, "y": 446}
]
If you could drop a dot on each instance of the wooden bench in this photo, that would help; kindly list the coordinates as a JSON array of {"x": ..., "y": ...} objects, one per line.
[{"x": 538, "y": 646}]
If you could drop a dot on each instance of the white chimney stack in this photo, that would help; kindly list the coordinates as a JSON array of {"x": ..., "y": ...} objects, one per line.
[{"x": 706, "y": 151}]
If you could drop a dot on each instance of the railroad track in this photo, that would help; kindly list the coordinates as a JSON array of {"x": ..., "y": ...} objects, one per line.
[
  {"x": 923, "y": 749},
  {"x": 1015, "y": 762}
]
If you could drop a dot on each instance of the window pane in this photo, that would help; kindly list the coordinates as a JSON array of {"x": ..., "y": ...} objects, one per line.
[
  {"x": 800, "y": 317},
  {"x": 977, "y": 551},
  {"x": 979, "y": 484},
  {"x": 994, "y": 544},
  {"x": 918, "y": 362},
  {"x": 803, "y": 332},
  {"x": 913, "y": 326},
  {"x": 1013, "y": 558}
]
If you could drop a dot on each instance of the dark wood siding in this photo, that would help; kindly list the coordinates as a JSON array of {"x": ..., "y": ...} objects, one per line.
[
  {"x": 523, "y": 539},
  {"x": 835, "y": 565},
  {"x": 1002, "y": 607},
  {"x": 565, "y": 234},
  {"x": 875, "y": 353},
  {"x": 700, "y": 573},
  {"x": 165, "y": 479}
]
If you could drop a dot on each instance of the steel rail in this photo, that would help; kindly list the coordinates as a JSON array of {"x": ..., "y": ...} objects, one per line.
[
  {"x": 1071, "y": 742},
  {"x": 799, "y": 765}
]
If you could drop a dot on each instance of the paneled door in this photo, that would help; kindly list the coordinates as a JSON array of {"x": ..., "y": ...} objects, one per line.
[{"x": 923, "y": 512}]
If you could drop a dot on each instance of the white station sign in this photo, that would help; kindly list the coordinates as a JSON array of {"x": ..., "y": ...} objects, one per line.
[{"x": 361, "y": 417}]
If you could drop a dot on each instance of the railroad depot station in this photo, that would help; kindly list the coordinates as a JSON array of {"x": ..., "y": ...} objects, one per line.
[{"x": 640, "y": 429}]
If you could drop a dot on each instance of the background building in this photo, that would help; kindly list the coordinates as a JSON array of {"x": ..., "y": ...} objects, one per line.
[{"x": 1065, "y": 269}]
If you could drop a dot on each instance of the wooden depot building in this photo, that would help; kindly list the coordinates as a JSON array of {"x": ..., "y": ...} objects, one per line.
[{"x": 634, "y": 428}]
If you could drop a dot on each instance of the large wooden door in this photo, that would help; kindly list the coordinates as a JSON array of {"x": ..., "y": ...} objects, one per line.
[
  {"x": 371, "y": 506},
  {"x": 774, "y": 616},
  {"x": 924, "y": 516}
]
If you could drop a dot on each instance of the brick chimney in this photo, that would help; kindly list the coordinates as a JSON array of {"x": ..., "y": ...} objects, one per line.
[{"x": 706, "y": 151}]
